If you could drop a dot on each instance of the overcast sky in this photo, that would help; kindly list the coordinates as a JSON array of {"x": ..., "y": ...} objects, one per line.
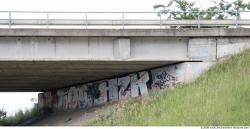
[
  {"x": 14, "y": 101},
  {"x": 87, "y": 5}
]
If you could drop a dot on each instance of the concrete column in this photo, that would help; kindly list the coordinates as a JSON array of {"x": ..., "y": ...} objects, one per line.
[{"x": 122, "y": 48}]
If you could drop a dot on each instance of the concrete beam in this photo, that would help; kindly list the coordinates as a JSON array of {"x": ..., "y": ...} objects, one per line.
[{"x": 92, "y": 49}]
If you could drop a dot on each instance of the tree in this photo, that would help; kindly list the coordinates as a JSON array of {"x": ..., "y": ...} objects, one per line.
[
  {"x": 3, "y": 114},
  {"x": 181, "y": 9},
  {"x": 226, "y": 10}
]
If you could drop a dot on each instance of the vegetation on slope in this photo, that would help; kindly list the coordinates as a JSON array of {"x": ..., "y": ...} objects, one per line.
[
  {"x": 19, "y": 117},
  {"x": 219, "y": 97}
]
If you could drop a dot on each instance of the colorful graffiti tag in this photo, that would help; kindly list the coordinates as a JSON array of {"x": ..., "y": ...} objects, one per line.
[{"x": 97, "y": 93}]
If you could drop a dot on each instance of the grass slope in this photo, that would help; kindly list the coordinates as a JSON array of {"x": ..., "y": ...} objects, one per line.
[{"x": 219, "y": 97}]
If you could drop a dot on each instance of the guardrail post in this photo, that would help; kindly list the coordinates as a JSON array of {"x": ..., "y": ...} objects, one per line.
[
  {"x": 123, "y": 20},
  {"x": 199, "y": 25},
  {"x": 47, "y": 20},
  {"x": 237, "y": 19},
  {"x": 160, "y": 21},
  {"x": 10, "y": 22},
  {"x": 86, "y": 20}
]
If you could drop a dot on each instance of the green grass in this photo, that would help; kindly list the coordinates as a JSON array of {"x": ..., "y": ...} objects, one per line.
[{"x": 219, "y": 97}]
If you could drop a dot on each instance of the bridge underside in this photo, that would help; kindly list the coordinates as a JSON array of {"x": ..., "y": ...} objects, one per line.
[{"x": 47, "y": 75}]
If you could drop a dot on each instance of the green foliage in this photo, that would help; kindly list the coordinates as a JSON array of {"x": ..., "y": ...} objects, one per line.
[
  {"x": 2, "y": 113},
  {"x": 248, "y": 5},
  {"x": 228, "y": 9},
  {"x": 19, "y": 117},
  {"x": 181, "y": 9},
  {"x": 219, "y": 97}
]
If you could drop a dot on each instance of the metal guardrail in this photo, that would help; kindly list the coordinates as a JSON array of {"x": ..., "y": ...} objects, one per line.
[{"x": 122, "y": 21}]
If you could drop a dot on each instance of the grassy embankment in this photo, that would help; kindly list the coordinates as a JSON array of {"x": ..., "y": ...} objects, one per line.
[{"x": 219, "y": 97}]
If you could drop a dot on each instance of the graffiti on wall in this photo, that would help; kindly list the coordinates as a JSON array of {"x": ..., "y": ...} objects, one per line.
[
  {"x": 164, "y": 77},
  {"x": 54, "y": 100},
  {"x": 124, "y": 87},
  {"x": 144, "y": 78},
  {"x": 102, "y": 95},
  {"x": 62, "y": 101},
  {"x": 82, "y": 97},
  {"x": 100, "y": 92},
  {"x": 113, "y": 90},
  {"x": 72, "y": 98},
  {"x": 139, "y": 86}
]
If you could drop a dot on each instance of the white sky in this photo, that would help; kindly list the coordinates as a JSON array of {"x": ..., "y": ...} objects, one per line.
[
  {"x": 14, "y": 101},
  {"x": 87, "y": 5}
]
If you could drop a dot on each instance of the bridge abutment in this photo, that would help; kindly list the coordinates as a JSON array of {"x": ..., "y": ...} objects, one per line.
[{"x": 141, "y": 83}]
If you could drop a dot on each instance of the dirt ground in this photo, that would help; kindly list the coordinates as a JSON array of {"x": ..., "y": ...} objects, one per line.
[{"x": 78, "y": 117}]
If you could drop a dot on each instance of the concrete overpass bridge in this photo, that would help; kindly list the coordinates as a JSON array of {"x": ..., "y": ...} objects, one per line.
[{"x": 53, "y": 53}]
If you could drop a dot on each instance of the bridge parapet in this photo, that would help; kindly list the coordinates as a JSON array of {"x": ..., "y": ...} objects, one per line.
[{"x": 114, "y": 20}]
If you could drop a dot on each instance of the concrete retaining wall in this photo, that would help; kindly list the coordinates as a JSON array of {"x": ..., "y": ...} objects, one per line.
[{"x": 115, "y": 89}]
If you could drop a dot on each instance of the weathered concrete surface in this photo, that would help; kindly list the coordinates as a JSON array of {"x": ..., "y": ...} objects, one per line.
[
  {"x": 230, "y": 46},
  {"x": 93, "y": 48},
  {"x": 122, "y": 48},
  {"x": 202, "y": 48},
  {"x": 213, "y": 32},
  {"x": 159, "y": 48}
]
